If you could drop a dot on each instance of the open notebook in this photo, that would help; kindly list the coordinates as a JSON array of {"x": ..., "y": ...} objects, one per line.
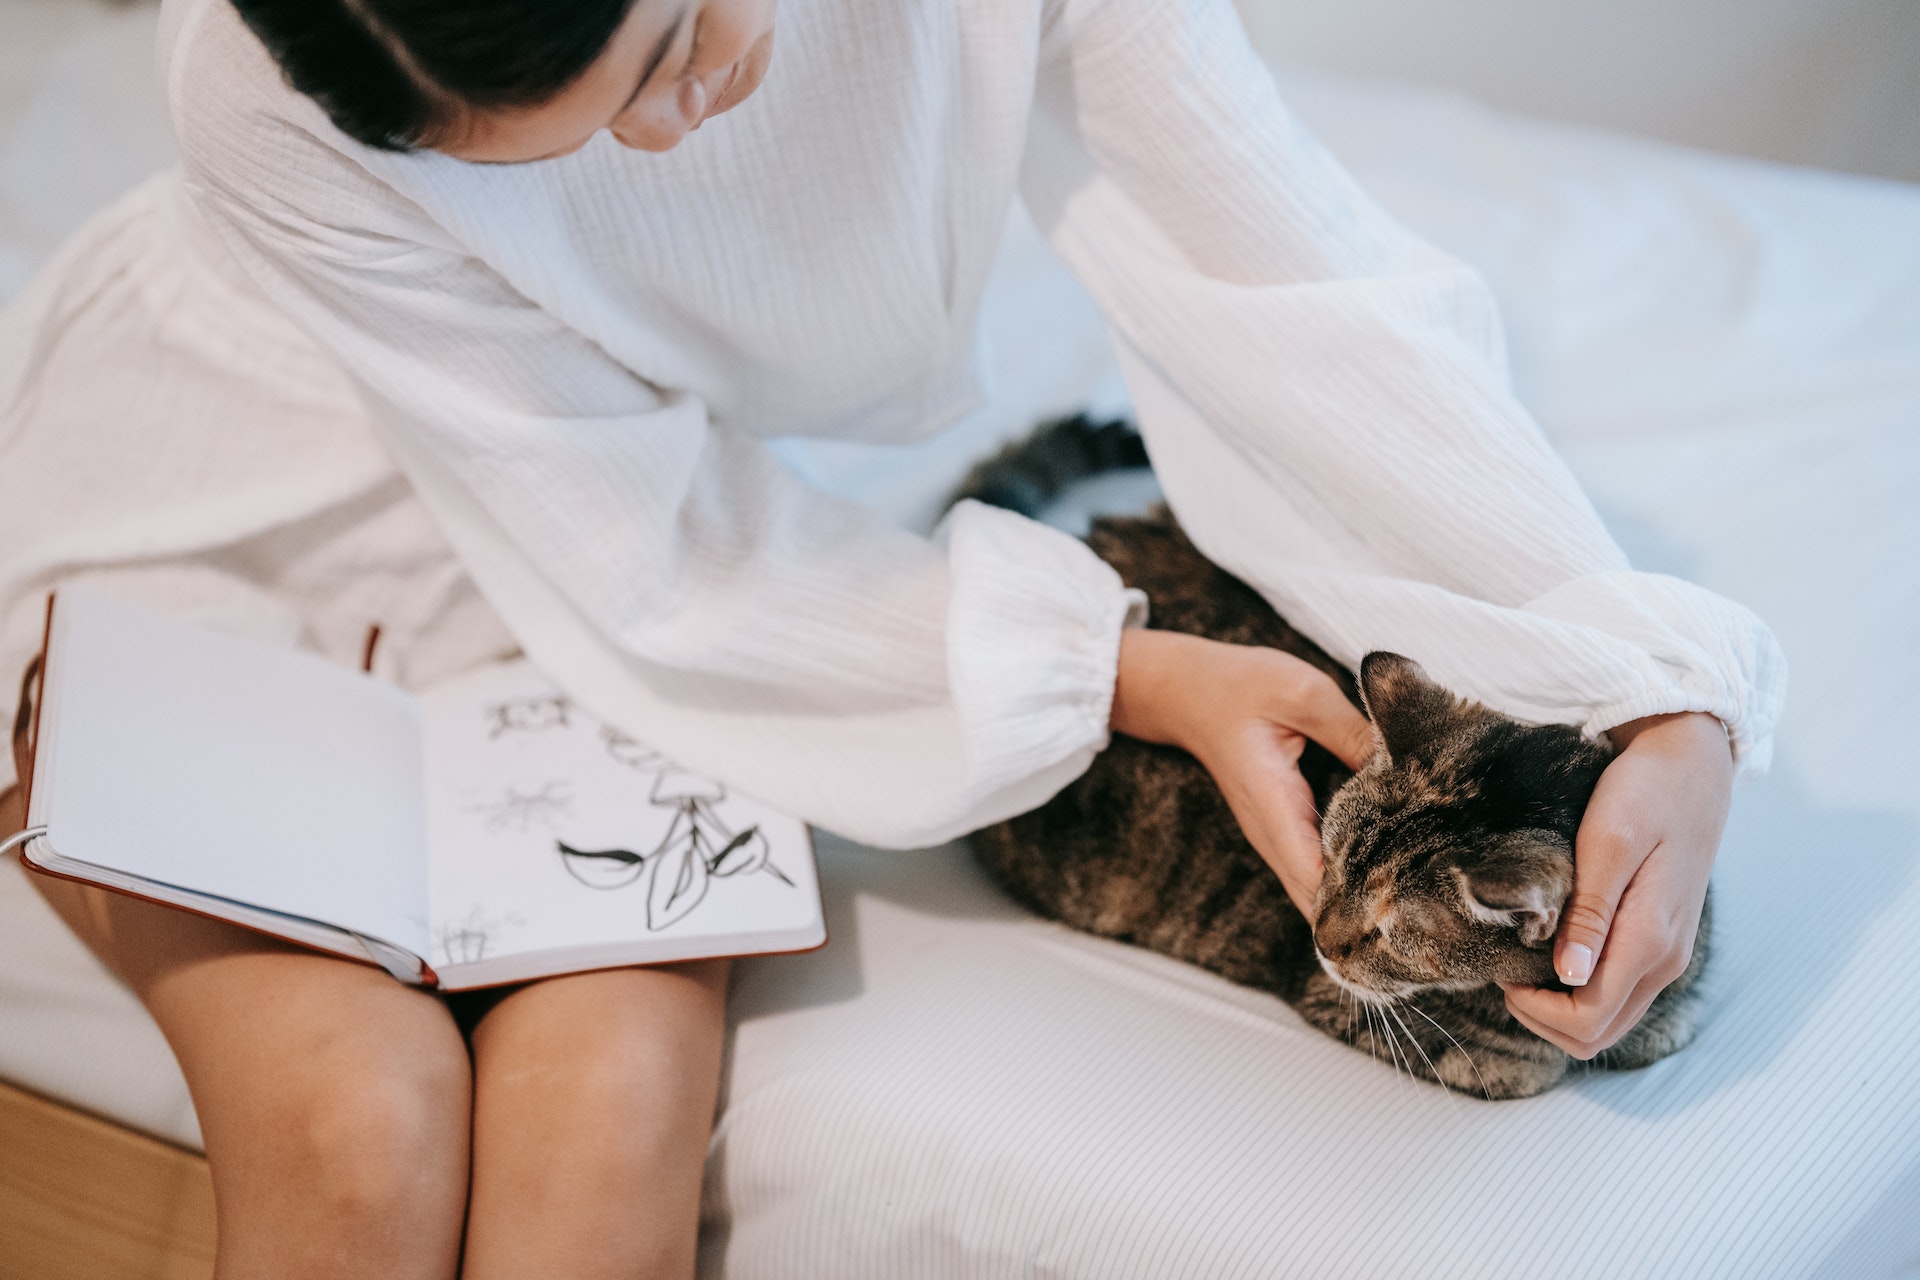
[{"x": 486, "y": 831}]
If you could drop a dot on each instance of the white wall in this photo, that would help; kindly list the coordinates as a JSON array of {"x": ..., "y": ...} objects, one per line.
[{"x": 1834, "y": 83}]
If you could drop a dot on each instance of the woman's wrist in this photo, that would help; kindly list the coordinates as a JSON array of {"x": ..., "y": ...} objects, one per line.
[
  {"x": 1149, "y": 700},
  {"x": 1205, "y": 696}
]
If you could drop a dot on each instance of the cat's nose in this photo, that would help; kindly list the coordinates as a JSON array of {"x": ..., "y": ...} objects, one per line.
[{"x": 1335, "y": 949}]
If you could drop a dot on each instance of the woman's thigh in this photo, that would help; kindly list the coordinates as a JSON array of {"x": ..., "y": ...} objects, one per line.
[
  {"x": 334, "y": 1102},
  {"x": 593, "y": 1101}
]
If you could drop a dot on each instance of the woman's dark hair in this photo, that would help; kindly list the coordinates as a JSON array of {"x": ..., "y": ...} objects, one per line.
[{"x": 394, "y": 73}]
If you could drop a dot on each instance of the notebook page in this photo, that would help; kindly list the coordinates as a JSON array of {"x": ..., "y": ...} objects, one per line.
[
  {"x": 232, "y": 768},
  {"x": 549, "y": 830}
]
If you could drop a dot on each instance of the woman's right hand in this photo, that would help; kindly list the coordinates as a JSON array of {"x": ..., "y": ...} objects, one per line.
[{"x": 1246, "y": 714}]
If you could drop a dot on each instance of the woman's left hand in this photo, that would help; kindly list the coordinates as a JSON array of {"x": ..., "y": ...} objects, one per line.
[
  {"x": 1641, "y": 862},
  {"x": 1246, "y": 714}
]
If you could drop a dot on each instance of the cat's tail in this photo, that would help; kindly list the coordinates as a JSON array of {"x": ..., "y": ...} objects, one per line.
[{"x": 1029, "y": 474}]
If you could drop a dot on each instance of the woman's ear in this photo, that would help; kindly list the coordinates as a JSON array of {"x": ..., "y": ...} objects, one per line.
[
  {"x": 1407, "y": 707},
  {"x": 1523, "y": 881}
]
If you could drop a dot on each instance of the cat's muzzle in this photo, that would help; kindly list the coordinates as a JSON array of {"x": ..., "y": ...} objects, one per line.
[{"x": 1366, "y": 994}]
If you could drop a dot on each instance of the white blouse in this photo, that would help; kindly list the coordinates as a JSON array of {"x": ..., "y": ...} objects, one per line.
[{"x": 576, "y": 362}]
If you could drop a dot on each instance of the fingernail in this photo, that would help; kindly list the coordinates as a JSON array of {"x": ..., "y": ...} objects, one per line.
[{"x": 1576, "y": 964}]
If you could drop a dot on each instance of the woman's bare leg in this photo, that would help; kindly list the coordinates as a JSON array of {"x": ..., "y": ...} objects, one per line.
[
  {"x": 334, "y": 1101},
  {"x": 593, "y": 1101}
]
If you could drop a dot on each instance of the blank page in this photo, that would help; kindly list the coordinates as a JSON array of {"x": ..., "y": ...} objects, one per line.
[{"x": 232, "y": 768}]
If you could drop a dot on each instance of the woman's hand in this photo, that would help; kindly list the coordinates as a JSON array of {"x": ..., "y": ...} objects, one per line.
[
  {"x": 1246, "y": 714},
  {"x": 1641, "y": 861}
]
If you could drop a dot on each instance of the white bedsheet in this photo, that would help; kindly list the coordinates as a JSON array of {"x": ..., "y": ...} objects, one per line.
[{"x": 1730, "y": 356}]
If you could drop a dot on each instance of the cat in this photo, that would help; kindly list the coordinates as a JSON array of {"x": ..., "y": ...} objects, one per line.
[{"x": 1449, "y": 856}]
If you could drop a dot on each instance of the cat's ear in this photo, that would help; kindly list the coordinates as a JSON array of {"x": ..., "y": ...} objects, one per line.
[
  {"x": 1523, "y": 881},
  {"x": 1407, "y": 707}
]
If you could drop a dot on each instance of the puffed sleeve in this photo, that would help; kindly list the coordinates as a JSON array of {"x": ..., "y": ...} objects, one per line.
[
  {"x": 669, "y": 572},
  {"x": 1325, "y": 396}
]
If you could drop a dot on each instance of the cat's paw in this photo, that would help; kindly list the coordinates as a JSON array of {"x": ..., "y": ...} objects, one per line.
[
  {"x": 1669, "y": 1026},
  {"x": 1329, "y": 1009},
  {"x": 1497, "y": 1077}
]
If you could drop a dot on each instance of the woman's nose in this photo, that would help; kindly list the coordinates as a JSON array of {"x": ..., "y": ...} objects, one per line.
[
  {"x": 659, "y": 122},
  {"x": 691, "y": 99}
]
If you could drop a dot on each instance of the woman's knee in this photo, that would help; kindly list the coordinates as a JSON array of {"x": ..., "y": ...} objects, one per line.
[
  {"x": 634, "y": 1080},
  {"x": 336, "y": 1106},
  {"x": 610, "y": 1036},
  {"x": 372, "y": 1138},
  {"x": 621, "y": 1067},
  {"x": 357, "y": 1164}
]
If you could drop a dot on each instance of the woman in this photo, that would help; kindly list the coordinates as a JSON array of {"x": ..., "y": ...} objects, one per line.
[{"x": 574, "y": 263}]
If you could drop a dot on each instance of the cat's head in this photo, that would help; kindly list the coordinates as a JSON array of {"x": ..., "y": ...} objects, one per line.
[{"x": 1450, "y": 855}]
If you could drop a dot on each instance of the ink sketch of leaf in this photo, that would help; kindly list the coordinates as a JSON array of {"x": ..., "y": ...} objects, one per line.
[
  {"x": 678, "y": 882},
  {"x": 602, "y": 868}
]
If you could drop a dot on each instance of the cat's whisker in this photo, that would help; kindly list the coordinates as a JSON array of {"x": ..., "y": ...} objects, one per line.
[
  {"x": 1417, "y": 1048},
  {"x": 1392, "y": 1042},
  {"x": 1405, "y": 1057},
  {"x": 1393, "y": 1046},
  {"x": 1393, "y": 1050},
  {"x": 1456, "y": 1044}
]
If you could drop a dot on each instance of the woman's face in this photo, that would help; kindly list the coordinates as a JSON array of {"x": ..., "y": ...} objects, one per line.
[{"x": 671, "y": 65}]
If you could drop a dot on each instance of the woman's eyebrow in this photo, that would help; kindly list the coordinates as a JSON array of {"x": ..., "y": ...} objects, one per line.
[{"x": 659, "y": 55}]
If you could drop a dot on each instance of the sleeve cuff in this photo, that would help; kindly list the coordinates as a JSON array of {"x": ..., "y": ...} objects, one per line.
[
  {"x": 1033, "y": 642},
  {"x": 1702, "y": 652}
]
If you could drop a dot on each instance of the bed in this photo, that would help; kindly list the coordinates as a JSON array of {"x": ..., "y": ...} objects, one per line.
[{"x": 1729, "y": 355}]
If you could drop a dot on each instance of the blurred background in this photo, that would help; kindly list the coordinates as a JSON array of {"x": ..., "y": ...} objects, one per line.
[{"x": 1829, "y": 83}]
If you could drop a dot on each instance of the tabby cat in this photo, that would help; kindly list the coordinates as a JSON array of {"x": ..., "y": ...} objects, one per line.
[{"x": 1448, "y": 856}]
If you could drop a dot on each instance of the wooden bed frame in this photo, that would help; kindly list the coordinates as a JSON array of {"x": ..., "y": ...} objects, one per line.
[{"x": 82, "y": 1198}]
